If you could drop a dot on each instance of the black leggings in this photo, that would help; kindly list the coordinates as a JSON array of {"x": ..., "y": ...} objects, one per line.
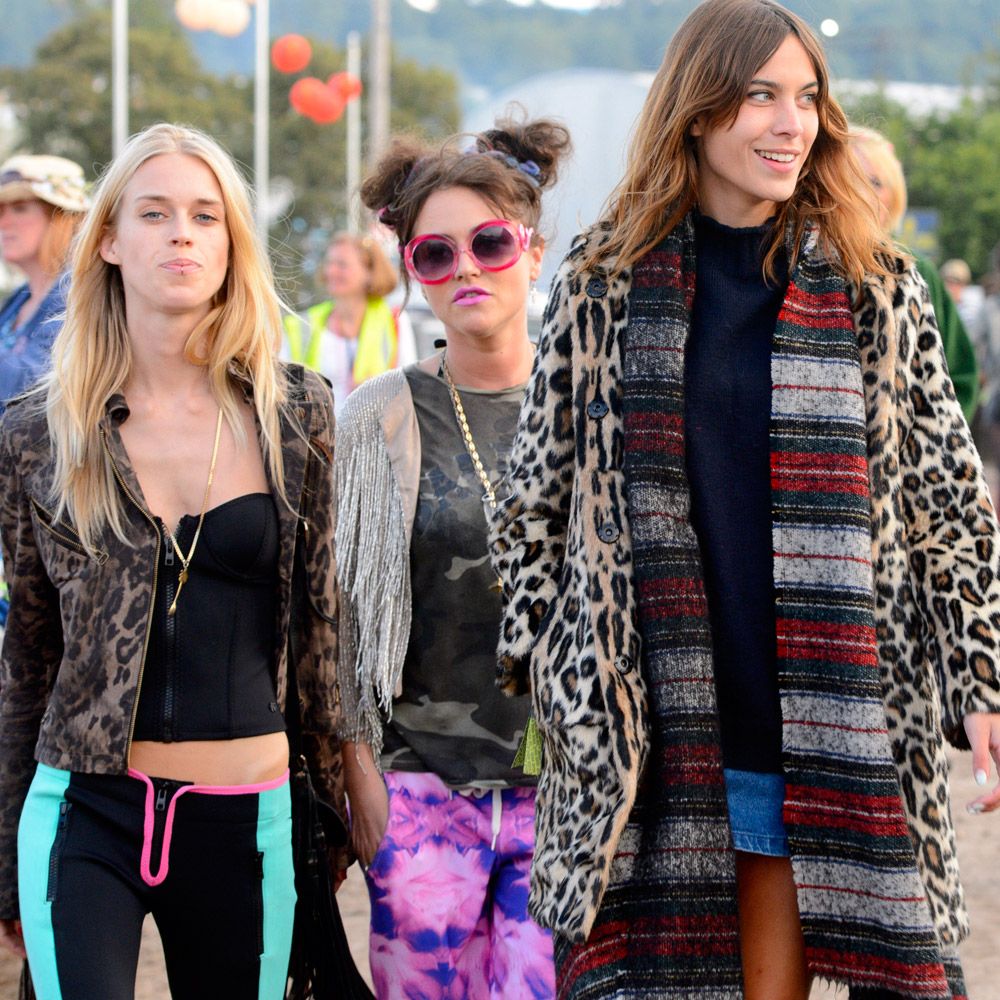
[{"x": 96, "y": 853}]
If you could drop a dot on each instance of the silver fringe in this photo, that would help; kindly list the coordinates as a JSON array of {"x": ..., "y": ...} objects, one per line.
[{"x": 373, "y": 564}]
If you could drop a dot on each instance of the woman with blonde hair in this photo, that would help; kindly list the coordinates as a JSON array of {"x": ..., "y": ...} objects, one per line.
[
  {"x": 354, "y": 334},
  {"x": 154, "y": 493},
  {"x": 42, "y": 200},
  {"x": 884, "y": 172},
  {"x": 749, "y": 560}
]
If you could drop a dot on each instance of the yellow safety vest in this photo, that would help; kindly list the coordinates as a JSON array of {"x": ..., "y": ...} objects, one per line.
[{"x": 378, "y": 339}]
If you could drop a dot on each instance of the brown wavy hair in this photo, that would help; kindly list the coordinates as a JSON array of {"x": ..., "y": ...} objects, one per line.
[{"x": 705, "y": 74}]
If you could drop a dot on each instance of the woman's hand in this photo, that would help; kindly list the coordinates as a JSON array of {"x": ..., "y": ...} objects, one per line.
[
  {"x": 983, "y": 731},
  {"x": 12, "y": 938},
  {"x": 368, "y": 799}
]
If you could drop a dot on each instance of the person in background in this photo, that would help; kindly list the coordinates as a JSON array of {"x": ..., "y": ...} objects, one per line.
[
  {"x": 748, "y": 559},
  {"x": 442, "y": 816},
  {"x": 354, "y": 334},
  {"x": 154, "y": 493},
  {"x": 957, "y": 277},
  {"x": 986, "y": 335},
  {"x": 42, "y": 200},
  {"x": 885, "y": 173}
]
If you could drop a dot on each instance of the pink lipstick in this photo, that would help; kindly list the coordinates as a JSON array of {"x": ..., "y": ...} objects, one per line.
[{"x": 470, "y": 295}]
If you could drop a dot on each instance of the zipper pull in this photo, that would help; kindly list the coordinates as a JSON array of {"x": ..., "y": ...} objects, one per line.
[
  {"x": 63, "y": 810},
  {"x": 161, "y": 799},
  {"x": 168, "y": 548}
]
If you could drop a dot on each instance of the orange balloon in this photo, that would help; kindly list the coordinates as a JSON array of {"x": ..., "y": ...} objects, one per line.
[
  {"x": 291, "y": 53},
  {"x": 326, "y": 106},
  {"x": 346, "y": 84},
  {"x": 314, "y": 99}
]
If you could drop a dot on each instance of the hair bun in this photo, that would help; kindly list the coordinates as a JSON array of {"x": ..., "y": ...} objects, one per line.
[{"x": 535, "y": 146}]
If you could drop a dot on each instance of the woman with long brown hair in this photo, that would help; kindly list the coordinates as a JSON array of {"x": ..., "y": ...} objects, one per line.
[{"x": 749, "y": 560}]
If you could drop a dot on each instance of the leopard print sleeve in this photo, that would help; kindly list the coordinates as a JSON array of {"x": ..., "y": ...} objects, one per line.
[
  {"x": 528, "y": 536},
  {"x": 952, "y": 535},
  {"x": 32, "y": 651}
]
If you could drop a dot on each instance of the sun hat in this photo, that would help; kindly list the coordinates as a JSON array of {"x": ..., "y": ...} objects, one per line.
[{"x": 51, "y": 179}]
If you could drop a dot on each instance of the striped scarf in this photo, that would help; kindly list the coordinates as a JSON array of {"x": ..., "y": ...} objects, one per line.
[{"x": 668, "y": 924}]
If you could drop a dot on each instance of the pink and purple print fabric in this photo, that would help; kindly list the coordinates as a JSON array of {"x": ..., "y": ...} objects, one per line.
[{"x": 449, "y": 894}]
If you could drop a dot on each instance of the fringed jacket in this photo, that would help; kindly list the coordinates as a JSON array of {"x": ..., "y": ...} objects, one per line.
[
  {"x": 563, "y": 544},
  {"x": 378, "y": 477}
]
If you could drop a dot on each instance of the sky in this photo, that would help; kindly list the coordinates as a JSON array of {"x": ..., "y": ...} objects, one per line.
[{"x": 430, "y": 5}]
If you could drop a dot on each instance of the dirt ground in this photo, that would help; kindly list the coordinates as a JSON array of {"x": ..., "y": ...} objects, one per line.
[{"x": 979, "y": 853}]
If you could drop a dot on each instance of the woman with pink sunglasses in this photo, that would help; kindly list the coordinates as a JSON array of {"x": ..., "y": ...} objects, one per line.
[{"x": 442, "y": 817}]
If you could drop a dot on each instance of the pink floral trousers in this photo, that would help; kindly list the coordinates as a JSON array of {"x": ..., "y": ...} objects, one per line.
[{"x": 449, "y": 895}]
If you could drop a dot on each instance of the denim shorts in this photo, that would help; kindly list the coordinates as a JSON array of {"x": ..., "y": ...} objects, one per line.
[{"x": 755, "y": 803}]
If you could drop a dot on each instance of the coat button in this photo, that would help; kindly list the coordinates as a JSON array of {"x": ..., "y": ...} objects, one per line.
[
  {"x": 623, "y": 664},
  {"x": 597, "y": 288},
  {"x": 608, "y": 532},
  {"x": 597, "y": 408}
]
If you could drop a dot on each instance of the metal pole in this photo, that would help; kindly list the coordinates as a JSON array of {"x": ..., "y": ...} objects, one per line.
[
  {"x": 261, "y": 117},
  {"x": 352, "y": 200},
  {"x": 379, "y": 87},
  {"x": 119, "y": 75}
]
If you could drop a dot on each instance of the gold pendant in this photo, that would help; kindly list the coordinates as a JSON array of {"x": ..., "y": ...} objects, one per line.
[
  {"x": 181, "y": 580},
  {"x": 497, "y": 587}
]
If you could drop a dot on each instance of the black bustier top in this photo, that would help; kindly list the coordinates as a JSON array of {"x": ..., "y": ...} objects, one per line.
[{"x": 209, "y": 668}]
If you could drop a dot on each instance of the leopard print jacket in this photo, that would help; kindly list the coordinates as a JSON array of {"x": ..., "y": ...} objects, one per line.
[
  {"x": 76, "y": 633},
  {"x": 562, "y": 544}
]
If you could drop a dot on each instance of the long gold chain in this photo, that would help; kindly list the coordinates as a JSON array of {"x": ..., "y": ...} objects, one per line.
[
  {"x": 186, "y": 560},
  {"x": 489, "y": 495}
]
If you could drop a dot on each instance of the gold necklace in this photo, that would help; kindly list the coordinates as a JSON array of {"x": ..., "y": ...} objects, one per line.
[
  {"x": 186, "y": 560},
  {"x": 489, "y": 494}
]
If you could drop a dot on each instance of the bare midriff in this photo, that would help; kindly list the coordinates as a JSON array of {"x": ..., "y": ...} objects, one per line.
[{"x": 245, "y": 761}]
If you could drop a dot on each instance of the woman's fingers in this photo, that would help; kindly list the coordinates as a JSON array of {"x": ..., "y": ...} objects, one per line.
[{"x": 983, "y": 731}]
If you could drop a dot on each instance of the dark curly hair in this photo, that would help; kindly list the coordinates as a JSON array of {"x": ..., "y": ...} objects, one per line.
[{"x": 509, "y": 166}]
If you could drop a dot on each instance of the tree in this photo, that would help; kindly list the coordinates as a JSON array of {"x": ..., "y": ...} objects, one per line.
[{"x": 63, "y": 102}]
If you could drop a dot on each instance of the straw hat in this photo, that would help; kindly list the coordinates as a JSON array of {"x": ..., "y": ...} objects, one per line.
[{"x": 51, "y": 179}]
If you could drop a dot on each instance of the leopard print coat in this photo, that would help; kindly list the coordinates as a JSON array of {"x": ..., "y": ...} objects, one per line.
[{"x": 562, "y": 544}]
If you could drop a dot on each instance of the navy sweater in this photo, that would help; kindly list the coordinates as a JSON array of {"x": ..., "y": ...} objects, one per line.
[{"x": 727, "y": 409}]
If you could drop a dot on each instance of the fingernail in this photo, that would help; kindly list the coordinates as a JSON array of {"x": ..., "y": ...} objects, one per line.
[
  {"x": 975, "y": 808},
  {"x": 980, "y": 776}
]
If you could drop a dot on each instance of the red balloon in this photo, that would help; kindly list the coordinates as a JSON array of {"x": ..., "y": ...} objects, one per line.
[
  {"x": 291, "y": 53},
  {"x": 346, "y": 84},
  {"x": 298, "y": 96},
  {"x": 326, "y": 107},
  {"x": 314, "y": 99}
]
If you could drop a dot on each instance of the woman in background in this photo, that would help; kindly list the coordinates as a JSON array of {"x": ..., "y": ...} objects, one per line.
[
  {"x": 885, "y": 174},
  {"x": 42, "y": 200},
  {"x": 355, "y": 334},
  {"x": 442, "y": 819}
]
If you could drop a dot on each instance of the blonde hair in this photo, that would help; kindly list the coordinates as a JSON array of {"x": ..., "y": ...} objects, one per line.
[
  {"x": 382, "y": 278},
  {"x": 58, "y": 238},
  {"x": 92, "y": 359},
  {"x": 705, "y": 73},
  {"x": 886, "y": 170}
]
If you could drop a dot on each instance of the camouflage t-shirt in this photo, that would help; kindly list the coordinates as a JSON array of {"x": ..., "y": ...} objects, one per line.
[{"x": 450, "y": 718}]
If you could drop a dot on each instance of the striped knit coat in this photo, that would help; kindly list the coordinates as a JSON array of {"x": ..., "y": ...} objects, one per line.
[{"x": 563, "y": 542}]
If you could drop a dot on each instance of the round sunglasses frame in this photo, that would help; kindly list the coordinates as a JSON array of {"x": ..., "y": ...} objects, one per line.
[{"x": 522, "y": 240}]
